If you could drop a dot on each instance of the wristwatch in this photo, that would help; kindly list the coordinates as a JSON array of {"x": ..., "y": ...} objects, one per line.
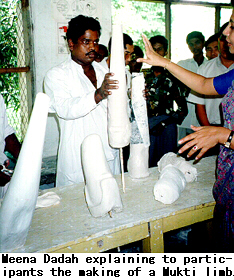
[{"x": 227, "y": 144}]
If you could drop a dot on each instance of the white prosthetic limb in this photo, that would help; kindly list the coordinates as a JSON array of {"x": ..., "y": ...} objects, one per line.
[
  {"x": 184, "y": 166},
  {"x": 170, "y": 185},
  {"x": 138, "y": 166},
  {"x": 119, "y": 129},
  {"x": 101, "y": 189},
  {"x": 20, "y": 199}
]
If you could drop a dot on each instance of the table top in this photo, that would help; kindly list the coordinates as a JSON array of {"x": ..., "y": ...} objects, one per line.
[{"x": 71, "y": 220}]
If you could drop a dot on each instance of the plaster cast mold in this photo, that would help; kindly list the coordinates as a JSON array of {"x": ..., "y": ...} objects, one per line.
[
  {"x": 20, "y": 199},
  {"x": 101, "y": 189}
]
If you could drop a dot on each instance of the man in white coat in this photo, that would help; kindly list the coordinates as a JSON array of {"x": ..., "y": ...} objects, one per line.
[{"x": 78, "y": 89}]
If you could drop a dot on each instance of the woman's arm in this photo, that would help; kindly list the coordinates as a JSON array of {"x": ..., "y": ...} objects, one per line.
[{"x": 194, "y": 81}]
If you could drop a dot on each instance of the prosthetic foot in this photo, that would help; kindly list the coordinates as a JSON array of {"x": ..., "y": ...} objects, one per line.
[{"x": 101, "y": 189}]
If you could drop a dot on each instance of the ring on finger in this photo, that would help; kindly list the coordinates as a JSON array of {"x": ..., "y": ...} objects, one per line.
[{"x": 195, "y": 148}]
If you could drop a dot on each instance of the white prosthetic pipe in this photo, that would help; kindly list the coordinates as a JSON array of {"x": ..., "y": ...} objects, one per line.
[
  {"x": 101, "y": 189},
  {"x": 119, "y": 130},
  {"x": 170, "y": 185},
  {"x": 138, "y": 166},
  {"x": 20, "y": 199},
  {"x": 184, "y": 166}
]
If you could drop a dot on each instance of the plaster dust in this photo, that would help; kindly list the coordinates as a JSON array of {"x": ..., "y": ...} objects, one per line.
[
  {"x": 47, "y": 199},
  {"x": 70, "y": 221}
]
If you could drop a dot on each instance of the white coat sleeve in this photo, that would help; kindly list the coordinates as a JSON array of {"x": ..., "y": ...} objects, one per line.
[{"x": 57, "y": 85}]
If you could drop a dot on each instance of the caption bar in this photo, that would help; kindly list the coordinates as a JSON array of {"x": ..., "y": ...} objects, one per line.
[{"x": 116, "y": 265}]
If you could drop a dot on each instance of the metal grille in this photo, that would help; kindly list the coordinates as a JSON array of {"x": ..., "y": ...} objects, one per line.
[{"x": 15, "y": 90}]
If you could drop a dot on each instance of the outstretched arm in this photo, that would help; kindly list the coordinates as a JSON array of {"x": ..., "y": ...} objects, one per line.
[{"x": 194, "y": 81}]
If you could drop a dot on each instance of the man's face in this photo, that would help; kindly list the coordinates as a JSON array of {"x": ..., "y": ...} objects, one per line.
[
  {"x": 84, "y": 50},
  {"x": 212, "y": 50},
  {"x": 100, "y": 56},
  {"x": 128, "y": 53},
  {"x": 196, "y": 46},
  {"x": 159, "y": 48}
]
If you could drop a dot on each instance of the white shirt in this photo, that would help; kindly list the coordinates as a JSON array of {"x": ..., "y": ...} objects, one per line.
[
  {"x": 191, "y": 65},
  {"x": 213, "y": 68},
  {"x": 5, "y": 129},
  {"x": 72, "y": 98}
]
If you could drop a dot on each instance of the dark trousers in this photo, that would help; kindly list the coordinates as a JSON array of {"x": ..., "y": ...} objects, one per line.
[{"x": 162, "y": 144}]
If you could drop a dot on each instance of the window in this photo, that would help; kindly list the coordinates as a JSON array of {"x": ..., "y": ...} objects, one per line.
[
  {"x": 184, "y": 22},
  {"x": 172, "y": 19},
  {"x": 13, "y": 69}
]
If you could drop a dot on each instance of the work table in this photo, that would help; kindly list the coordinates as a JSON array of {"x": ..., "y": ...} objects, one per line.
[{"x": 69, "y": 227}]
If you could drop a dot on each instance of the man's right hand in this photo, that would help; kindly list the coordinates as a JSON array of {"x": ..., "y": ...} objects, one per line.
[{"x": 107, "y": 85}]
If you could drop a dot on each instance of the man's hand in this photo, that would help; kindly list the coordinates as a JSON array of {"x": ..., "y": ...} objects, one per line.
[{"x": 107, "y": 85}]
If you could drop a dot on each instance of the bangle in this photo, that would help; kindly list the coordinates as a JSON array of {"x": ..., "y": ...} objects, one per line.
[
  {"x": 165, "y": 67},
  {"x": 227, "y": 144}
]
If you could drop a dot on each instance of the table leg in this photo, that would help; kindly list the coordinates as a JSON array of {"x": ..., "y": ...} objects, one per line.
[{"x": 154, "y": 243}]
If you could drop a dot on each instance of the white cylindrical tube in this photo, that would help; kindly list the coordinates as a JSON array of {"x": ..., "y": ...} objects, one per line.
[
  {"x": 119, "y": 130},
  {"x": 138, "y": 162},
  {"x": 19, "y": 202},
  {"x": 140, "y": 109}
]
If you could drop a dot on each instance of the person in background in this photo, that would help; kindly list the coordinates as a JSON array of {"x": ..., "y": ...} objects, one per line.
[
  {"x": 102, "y": 53},
  {"x": 208, "y": 108},
  {"x": 135, "y": 66},
  {"x": 196, "y": 42},
  {"x": 8, "y": 143},
  {"x": 128, "y": 52},
  {"x": 78, "y": 89},
  {"x": 163, "y": 90},
  {"x": 211, "y": 46},
  {"x": 206, "y": 137}
]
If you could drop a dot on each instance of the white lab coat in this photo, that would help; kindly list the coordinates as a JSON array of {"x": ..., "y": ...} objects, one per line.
[
  {"x": 72, "y": 98},
  {"x": 212, "y": 68},
  {"x": 191, "y": 65}
]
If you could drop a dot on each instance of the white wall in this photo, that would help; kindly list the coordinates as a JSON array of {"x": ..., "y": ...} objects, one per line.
[{"x": 46, "y": 16}]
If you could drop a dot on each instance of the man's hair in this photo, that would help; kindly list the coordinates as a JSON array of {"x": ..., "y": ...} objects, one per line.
[
  {"x": 127, "y": 40},
  {"x": 195, "y": 34},
  {"x": 78, "y": 25},
  {"x": 104, "y": 48},
  {"x": 138, "y": 51},
  {"x": 211, "y": 39},
  {"x": 159, "y": 39}
]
